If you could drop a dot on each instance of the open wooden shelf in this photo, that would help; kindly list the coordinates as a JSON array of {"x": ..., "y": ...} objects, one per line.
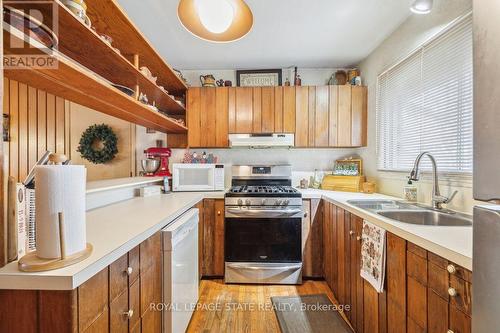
[
  {"x": 78, "y": 84},
  {"x": 84, "y": 45},
  {"x": 108, "y": 17}
]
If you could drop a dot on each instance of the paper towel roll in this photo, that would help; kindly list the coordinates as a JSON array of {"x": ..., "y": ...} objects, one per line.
[{"x": 60, "y": 188}]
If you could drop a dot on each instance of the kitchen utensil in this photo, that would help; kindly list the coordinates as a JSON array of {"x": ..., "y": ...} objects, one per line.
[
  {"x": 207, "y": 80},
  {"x": 150, "y": 165},
  {"x": 30, "y": 26}
]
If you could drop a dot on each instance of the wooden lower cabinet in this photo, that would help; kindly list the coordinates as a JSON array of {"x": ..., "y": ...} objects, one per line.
[
  {"x": 418, "y": 285},
  {"x": 211, "y": 238},
  {"x": 312, "y": 242},
  {"x": 117, "y": 299}
]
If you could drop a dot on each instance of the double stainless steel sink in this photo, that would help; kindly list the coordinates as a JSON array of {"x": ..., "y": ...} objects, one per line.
[{"x": 413, "y": 213}]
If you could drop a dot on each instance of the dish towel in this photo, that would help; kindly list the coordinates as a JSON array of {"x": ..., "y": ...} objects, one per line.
[{"x": 373, "y": 253}]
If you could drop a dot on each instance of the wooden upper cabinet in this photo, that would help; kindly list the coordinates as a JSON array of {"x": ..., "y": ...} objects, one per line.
[
  {"x": 244, "y": 110},
  {"x": 322, "y": 116},
  {"x": 208, "y": 117}
]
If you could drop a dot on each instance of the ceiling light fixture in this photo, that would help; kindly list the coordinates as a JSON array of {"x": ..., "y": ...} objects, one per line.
[
  {"x": 216, "y": 20},
  {"x": 421, "y": 6}
]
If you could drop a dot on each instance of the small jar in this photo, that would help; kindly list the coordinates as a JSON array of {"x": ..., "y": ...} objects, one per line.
[{"x": 410, "y": 192}]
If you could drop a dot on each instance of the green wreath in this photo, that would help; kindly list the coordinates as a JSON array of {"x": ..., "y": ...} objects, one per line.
[{"x": 94, "y": 134}]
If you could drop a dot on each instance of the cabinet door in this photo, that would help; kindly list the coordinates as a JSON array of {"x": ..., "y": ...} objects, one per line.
[
  {"x": 333, "y": 100},
  {"x": 193, "y": 114},
  {"x": 356, "y": 283},
  {"x": 93, "y": 300},
  {"x": 321, "y": 117},
  {"x": 327, "y": 244},
  {"x": 396, "y": 284},
  {"x": 207, "y": 117},
  {"x": 302, "y": 116},
  {"x": 278, "y": 110},
  {"x": 358, "y": 116},
  {"x": 118, "y": 320},
  {"x": 312, "y": 248},
  {"x": 344, "y": 120},
  {"x": 213, "y": 238},
  {"x": 289, "y": 105},
  {"x": 257, "y": 110},
  {"x": 244, "y": 110},
  {"x": 268, "y": 111},
  {"x": 341, "y": 257},
  {"x": 222, "y": 117}
]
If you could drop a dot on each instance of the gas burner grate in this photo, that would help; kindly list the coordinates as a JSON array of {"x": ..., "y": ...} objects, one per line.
[{"x": 263, "y": 189}]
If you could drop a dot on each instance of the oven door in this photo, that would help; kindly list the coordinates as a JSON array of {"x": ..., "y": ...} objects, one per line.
[{"x": 263, "y": 235}]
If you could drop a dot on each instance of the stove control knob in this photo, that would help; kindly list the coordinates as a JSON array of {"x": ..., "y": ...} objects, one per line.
[
  {"x": 277, "y": 202},
  {"x": 248, "y": 202},
  {"x": 263, "y": 202},
  {"x": 285, "y": 202},
  {"x": 240, "y": 202}
]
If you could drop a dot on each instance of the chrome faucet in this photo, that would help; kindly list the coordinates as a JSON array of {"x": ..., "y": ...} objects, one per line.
[{"x": 437, "y": 199}]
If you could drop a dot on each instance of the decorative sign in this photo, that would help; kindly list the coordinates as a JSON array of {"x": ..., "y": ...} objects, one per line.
[{"x": 258, "y": 78}]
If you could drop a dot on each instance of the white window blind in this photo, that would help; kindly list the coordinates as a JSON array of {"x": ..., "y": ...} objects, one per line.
[{"x": 424, "y": 103}]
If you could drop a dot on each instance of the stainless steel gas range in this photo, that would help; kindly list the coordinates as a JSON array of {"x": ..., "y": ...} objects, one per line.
[{"x": 263, "y": 227}]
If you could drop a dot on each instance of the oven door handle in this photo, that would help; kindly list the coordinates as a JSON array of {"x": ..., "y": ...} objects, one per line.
[
  {"x": 255, "y": 268},
  {"x": 263, "y": 213}
]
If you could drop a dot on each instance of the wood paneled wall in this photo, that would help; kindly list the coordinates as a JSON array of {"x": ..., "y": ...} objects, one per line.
[
  {"x": 37, "y": 124},
  {"x": 40, "y": 121}
]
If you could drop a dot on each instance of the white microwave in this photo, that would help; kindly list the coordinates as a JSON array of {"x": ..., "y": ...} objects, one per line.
[{"x": 197, "y": 177}]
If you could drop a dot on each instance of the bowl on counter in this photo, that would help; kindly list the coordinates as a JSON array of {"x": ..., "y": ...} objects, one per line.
[{"x": 150, "y": 165}]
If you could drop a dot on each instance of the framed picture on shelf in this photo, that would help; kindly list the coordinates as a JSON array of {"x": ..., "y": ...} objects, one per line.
[{"x": 258, "y": 78}]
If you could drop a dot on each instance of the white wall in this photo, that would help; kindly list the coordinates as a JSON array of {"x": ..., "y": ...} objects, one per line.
[
  {"x": 411, "y": 34},
  {"x": 310, "y": 76}
]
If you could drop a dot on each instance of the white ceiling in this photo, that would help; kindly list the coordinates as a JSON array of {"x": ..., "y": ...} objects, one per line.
[{"x": 304, "y": 33}]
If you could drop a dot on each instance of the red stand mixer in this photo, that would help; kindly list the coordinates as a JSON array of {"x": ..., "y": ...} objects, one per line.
[{"x": 156, "y": 162}]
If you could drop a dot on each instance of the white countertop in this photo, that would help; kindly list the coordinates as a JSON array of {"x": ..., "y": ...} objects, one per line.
[
  {"x": 117, "y": 183},
  {"x": 116, "y": 229},
  {"x": 452, "y": 243}
]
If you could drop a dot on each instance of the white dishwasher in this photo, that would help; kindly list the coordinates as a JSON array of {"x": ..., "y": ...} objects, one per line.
[{"x": 180, "y": 271}]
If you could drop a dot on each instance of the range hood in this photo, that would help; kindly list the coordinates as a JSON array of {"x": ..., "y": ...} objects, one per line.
[{"x": 269, "y": 140}]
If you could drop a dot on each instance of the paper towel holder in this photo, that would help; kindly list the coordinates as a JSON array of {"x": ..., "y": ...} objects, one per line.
[{"x": 32, "y": 263}]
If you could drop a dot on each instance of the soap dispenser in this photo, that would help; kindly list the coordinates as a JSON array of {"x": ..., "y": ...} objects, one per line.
[{"x": 410, "y": 191}]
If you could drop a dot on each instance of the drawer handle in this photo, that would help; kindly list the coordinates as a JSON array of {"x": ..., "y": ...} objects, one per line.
[
  {"x": 449, "y": 331},
  {"x": 129, "y": 271},
  {"x": 358, "y": 238},
  {"x": 452, "y": 292},
  {"x": 305, "y": 214},
  {"x": 219, "y": 212},
  {"x": 451, "y": 269},
  {"x": 351, "y": 232},
  {"x": 128, "y": 313}
]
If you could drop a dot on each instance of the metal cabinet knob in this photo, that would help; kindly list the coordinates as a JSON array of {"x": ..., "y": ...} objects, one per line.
[
  {"x": 129, "y": 271},
  {"x": 451, "y": 269},
  {"x": 358, "y": 238},
  {"x": 129, "y": 313},
  {"x": 452, "y": 292},
  {"x": 305, "y": 214},
  {"x": 219, "y": 212},
  {"x": 449, "y": 331},
  {"x": 351, "y": 232}
]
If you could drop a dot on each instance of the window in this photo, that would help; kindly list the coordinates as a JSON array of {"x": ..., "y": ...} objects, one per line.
[{"x": 424, "y": 103}]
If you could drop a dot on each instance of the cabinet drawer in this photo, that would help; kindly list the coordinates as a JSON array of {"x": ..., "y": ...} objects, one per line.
[
  {"x": 136, "y": 328},
  {"x": 438, "y": 280},
  {"x": 417, "y": 267},
  {"x": 415, "y": 249},
  {"x": 151, "y": 321},
  {"x": 93, "y": 300},
  {"x": 118, "y": 278},
  {"x": 462, "y": 291},
  {"x": 417, "y": 302},
  {"x": 459, "y": 321},
  {"x": 133, "y": 263},
  {"x": 118, "y": 320},
  {"x": 460, "y": 272},
  {"x": 146, "y": 289},
  {"x": 134, "y": 304},
  {"x": 437, "y": 309},
  {"x": 149, "y": 250},
  {"x": 100, "y": 325}
]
